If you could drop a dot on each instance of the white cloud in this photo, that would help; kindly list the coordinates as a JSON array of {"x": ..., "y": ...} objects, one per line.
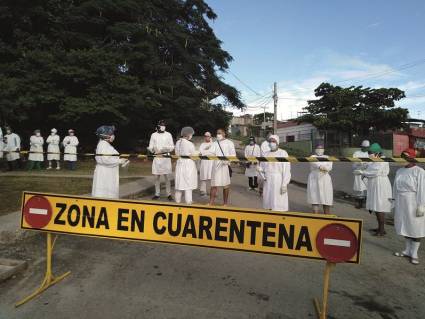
[{"x": 373, "y": 25}]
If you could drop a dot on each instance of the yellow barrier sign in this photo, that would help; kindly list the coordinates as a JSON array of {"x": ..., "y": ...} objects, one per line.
[{"x": 290, "y": 234}]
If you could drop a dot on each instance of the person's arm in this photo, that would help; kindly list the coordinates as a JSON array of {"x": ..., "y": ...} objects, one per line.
[
  {"x": 108, "y": 161},
  {"x": 18, "y": 142},
  {"x": 420, "y": 194},
  {"x": 170, "y": 143},
  {"x": 75, "y": 141},
  {"x": 373, "y": 170}
]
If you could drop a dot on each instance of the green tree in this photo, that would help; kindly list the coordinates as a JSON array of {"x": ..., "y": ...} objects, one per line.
[
  {"x": 355, "y": 109},
  {"x": 82, "y": 63}
]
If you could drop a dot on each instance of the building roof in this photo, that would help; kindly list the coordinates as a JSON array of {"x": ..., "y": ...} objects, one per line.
[{"x": 289, "y": 123}]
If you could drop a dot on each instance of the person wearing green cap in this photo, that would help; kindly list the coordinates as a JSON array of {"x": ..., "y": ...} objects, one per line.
[{"x": 379, "y": 191}]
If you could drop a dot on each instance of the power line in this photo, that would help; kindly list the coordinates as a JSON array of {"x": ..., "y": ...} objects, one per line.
[{"x": 244, "y": 84}]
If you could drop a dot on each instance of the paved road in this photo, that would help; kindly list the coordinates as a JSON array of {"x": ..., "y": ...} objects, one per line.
[{"x": 118, "y": 279}]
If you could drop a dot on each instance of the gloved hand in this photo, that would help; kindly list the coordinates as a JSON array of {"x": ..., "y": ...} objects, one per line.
[
  {"x": 123, "y": 160},
  {"x": 358, "y": 172},
  {"x": 420, "y": 211},
  {"x": 126, "y": 163},
  {"x": 323, "y": 170},
  {"x": 283, "y": 189}
]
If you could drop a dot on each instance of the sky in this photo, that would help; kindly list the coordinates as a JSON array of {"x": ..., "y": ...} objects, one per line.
[{"x": 300, "y": 44}]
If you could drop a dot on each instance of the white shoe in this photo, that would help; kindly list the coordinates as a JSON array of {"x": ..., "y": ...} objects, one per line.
[
  {"x": 49, "y": 167},
  {"x": 58, "y": 168}
]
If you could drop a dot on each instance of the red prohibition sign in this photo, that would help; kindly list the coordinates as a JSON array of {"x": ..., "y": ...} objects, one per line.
[{"x": 37, "y": 211}]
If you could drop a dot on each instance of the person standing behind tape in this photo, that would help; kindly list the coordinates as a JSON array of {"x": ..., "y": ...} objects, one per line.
[
  {"x": 186, "y": 173},
  {"x": 360, "y": 183},
  {"x": 106, "y": 179},
  {"x": 12, "y": 148},
  {"x": 161, "y": 142},
  {"x": 409, "y": 206},
  {"x": 36, "y": 156},
  {"x": 319, "y": 184},
  {"x": 379, "y": 191},
  {"x": 276, "y": 176},
  {"x": 252, "y": 149},
  {"x": 220, "y": 174},
  {"x": 70, "y": 144},
  {"x": 265, "y": 148},
  {"x": 1, "y": 147},
  {"x": 53, "y": 151},
  {"x": 206, "y": 165}
]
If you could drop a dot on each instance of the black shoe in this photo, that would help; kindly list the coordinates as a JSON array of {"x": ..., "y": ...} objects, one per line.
[
  {"x": 170, "y": 198},
  {"x": 155, "y": 197}
]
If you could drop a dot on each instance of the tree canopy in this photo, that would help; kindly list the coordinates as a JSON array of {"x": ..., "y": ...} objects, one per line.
[
  {"x": 355, "y": 109},
  {"x": 83, "y": 63},
  {"x": 259, "y": 118}
]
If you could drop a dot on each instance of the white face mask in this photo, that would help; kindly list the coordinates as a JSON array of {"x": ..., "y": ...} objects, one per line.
[
  {"x": 71, "y": 134},
  {"x": 53, "y": 133},
  {"x": 112, "y": 138},
  {"x": 220, "y": 137},
  {"x": 162, "y": 128},
  {"x": 8, "y": 131},
  {"x": 319, "y": 151},
  {"x": 37, "y": 134},
  {"x": 273, "y": 146}
]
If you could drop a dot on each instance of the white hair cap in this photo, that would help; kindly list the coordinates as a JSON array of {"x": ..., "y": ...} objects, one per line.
[
  {"x": 53, "y": 130},
  {"x": 365, "y": 143},
  {"x": 274, "y": 137}
]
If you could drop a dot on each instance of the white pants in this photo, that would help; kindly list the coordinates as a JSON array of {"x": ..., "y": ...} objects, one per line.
[
  {"x": 158, "y": 185},
  {"x": 203, "y": 186},
  {"x": 187, "y": 196}
]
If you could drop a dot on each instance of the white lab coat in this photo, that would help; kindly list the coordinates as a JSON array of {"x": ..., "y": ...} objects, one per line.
[
  {"x": 161, "y": 143},
  {"x": 276, "y": 174},
  {"x": 186, "y": 172},
  {"x": 360, "y": 183},
  {"x": 36, "y": 145},
  {"x": 206, "y": 165},
  {"x": 13, "y": 143},
  {"x": 220, "y": 170},
  {"x": 319, "y": 185},
  {"x": 1, "y": 143},
  {"x": 379, "y": 190},
  {"x": 409, "y": 193},
  {"x": 106, "y": 179},
  {"x": 252, "y": 150},
  {"x": 53, "y": 147},
  {"x": 70, "y": 144}
]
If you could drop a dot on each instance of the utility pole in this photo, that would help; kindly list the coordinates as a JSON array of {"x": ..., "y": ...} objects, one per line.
[{"x": 275, "y": 108}]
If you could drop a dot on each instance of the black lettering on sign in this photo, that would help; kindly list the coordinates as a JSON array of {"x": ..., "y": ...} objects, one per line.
[
  {"x": 138, "y": 219},
  {"x": 286, "y": 238},
  {"x": 253, "y": 225},
  {"x": 73, "y": 221},
  {"x": 88, "y": 217},
  {"x": 122, "y": 217},
  {"x": 58, "y": 219},
  {"x": 237, "y": 230},
  {"x": 189, "y": 227},
  {"x": 178, "y": 228},
  {"x": 103, "y": 219},
  {"x": 205, "y": 224},
  {"x": 267, "y": 233},
  {"x": 304, "y": 239},
  {"x": 157, "y": 216},
  {"x": 219, "y": 228}
]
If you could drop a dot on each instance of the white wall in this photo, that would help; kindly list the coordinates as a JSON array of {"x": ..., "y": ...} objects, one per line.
[{"x": 298, "y": 131}]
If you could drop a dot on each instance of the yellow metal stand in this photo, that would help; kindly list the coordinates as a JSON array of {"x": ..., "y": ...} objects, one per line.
[
  {"x": 49, "y": 279},
  {"x": 321, "y": 313}
]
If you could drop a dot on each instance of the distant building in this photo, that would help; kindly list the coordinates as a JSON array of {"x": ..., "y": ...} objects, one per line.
[
  {"x": 292, "y": 131},
  {"x": 241, "y": 125}
]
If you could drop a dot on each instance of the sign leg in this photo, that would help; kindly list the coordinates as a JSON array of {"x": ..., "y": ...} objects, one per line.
[
  {"x": 321, "y": 311},
  {"x": 49, "y": 279}
]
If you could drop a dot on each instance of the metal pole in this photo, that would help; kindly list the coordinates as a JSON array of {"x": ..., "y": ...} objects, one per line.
[{"x": 275, "y": 108}]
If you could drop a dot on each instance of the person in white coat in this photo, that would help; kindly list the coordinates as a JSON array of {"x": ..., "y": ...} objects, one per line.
[
  {"x": 319, "y": 184},
  {"x": 12, "y": 148},
  {"x": 206, "y": 165},
  {"x": 220, "y": 174},
  {"x": 252, "y": 150},
  {"x": 379, "y": 191},
  {"x": 409, "y": 206},
  {"x": 276, "y": 176},
  {"x": 1, "y": 144},
  {"x": 265, "y": 148},
  {"x": 106, "y": 178},
  {"x": 186, "y": 173},
  {"x": 161, "y": 142},
  {"x": 70, "y": 144},
  {"x": 360, "y": 183},
  {"x": 36, "y": 156},
  {"x": 53, "y": 151}
]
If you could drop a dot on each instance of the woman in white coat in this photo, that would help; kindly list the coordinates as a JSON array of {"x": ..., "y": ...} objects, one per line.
[
  {"x": 70, "y": 144},
  {"x": 409, "y": 206},
  {"x": 319, "y": 184},
  {"x": 360, "y": 183},
  {"x": 53, "y": 151},
  {"x": 106, "y": 179},
  {"x": 11, "y": 148},
  {"x": 206, "y": 165},
  {"x": 276, "y": 176},
  {"x": 36, "y": 156},
  {"x": 253, "y": 150},
  {"x": 220, "y": 174},
  {"x": 186, "y": 172},
  {"x": 379, "y": 192}
]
